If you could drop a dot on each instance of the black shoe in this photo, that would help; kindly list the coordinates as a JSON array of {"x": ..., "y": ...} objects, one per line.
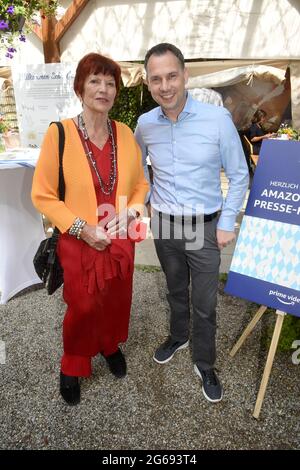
[
  {"x": 166, "y": 351},
  {"x": 211, "y": 387},
  {"x": 70, "y": 389},
  {"x": 117, "y": 364}
]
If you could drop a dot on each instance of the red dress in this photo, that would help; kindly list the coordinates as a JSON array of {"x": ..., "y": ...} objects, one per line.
[{"x": 97, "y": 288}]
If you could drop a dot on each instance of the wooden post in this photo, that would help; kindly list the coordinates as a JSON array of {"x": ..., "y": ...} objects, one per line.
[
  {"x": 51, "y": 30},
  {"x": 50, "y": 45},
  {"x": 269, "y": 363},
  {"x": 248, "y": 330},
  {"x": 271, "y": 354}
]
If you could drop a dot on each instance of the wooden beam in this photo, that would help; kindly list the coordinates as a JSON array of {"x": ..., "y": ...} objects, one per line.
[
  {"x": 51, "y": 31},
  {"x": 69, "y": 17},
  {"x": 50, "y": 45}
]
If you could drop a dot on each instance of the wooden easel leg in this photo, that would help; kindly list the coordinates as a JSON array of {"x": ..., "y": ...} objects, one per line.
[
  {"x": 269, "y": 363},
  {"x": 248, "y": 329}
]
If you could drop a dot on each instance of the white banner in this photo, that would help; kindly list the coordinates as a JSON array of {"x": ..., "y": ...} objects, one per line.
[{"x": 43, "y": 93}]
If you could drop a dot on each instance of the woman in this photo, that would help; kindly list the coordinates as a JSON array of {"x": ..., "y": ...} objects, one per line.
[
  {"x": 256, "y": 131},
  {"x": 105, "y": 189}
]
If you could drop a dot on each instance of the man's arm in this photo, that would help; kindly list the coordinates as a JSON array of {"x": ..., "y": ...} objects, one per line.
[
  {"x": 141, "y": 143},
  {"x": 236, "y": 170},
  {"x": 139, "y": 138}
]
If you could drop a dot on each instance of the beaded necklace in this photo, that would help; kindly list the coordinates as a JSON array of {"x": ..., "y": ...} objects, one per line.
[{"x": 106, "y": 187}]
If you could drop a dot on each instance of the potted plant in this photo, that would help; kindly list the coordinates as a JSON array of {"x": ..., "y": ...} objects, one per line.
[
  {"x": 288, "y": 133},
  {"x": 14, "y": 14},
  {"x": 4, "y": 128}
]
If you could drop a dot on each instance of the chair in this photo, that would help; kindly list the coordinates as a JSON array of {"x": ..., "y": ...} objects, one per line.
[{"x": 249, "y": 147}]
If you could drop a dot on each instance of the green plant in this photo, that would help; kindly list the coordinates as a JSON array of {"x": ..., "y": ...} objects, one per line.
[
  {"x": 223, "y": 277},
  {"x": 131, "y": 103},
  {"x": 292, "y": 134},
  {"x": 14, "y": 14},
  {"x": 4, "y": 126}
]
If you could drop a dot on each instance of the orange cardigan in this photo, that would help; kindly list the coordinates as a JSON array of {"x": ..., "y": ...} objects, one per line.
[{"x": 80, "y": 197}]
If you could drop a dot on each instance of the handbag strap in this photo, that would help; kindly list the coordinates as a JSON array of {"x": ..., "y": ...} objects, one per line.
[
  {"x": 61, "y": 147},
  {"x": 61, "y": 179}
]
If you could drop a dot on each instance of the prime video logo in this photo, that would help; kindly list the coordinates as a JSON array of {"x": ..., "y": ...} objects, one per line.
[{"x": 286, "y": 299}]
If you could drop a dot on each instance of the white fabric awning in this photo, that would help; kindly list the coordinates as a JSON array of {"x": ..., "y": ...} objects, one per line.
[
  {"x": 235, "y": 75},
  {"x": 5, "y": 77},
  {"x": 133, "y": 74}
]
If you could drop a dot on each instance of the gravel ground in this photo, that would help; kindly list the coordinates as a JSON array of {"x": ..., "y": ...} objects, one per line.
[{"x": 155, "y": 406}]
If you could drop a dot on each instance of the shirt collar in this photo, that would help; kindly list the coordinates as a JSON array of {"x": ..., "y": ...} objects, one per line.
[{"x": 189, "y": 108}]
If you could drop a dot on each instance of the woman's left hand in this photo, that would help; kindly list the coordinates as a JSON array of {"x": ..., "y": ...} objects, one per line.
[
  {"x": 95, "y": 236},
  {"x": 119, "y": 224}
]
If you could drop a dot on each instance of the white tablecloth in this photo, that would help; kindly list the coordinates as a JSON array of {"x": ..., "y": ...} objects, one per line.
[{"x": 21, "y": 227}]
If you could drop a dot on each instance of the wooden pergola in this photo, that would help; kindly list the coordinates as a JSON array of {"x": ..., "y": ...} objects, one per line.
[{"x": 51, "y": 31}]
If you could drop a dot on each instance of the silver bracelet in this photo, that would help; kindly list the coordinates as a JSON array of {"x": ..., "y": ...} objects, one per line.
[
  {"x": 79, "y": 232},
  {"x": 76, "y": 228}
]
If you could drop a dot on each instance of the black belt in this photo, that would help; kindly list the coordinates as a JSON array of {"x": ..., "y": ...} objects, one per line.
[{"x": 194, "y": 218}]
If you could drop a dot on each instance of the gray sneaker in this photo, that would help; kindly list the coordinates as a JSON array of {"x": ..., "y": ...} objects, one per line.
[
  {"x": 211, "y": 386},
  {"x": 166, "y": 351}
]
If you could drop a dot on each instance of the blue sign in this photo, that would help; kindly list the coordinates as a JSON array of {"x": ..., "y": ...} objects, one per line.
[{"x": 265, "y": 266}]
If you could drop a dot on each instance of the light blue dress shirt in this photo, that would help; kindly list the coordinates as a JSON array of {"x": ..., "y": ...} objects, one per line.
[{"x": 187, "y": 157}]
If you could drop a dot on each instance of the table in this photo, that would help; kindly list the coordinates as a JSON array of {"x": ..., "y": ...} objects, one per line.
[{"x": 21, "y": 229}]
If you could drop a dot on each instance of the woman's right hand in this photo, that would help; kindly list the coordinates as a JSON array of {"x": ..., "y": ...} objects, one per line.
[{"x": 95, "y": 236}]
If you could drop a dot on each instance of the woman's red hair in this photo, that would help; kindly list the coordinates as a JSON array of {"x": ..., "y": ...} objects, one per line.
[{"x": 94, "y": 63}]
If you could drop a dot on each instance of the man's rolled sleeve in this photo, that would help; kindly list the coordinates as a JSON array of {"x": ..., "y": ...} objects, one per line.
[{"x": 236, "y": 170}]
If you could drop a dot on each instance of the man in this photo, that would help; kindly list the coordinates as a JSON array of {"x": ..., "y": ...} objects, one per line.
[{"x": 188, "y": 143}]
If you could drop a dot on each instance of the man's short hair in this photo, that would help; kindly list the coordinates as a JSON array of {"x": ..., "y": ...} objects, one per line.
[{"x": 163, "y": 48}]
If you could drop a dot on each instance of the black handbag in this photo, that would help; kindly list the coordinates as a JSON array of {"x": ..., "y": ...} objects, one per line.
[{"x": 46, "y": 261}]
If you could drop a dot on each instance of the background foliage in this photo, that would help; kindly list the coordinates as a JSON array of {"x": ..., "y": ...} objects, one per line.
[{"x": 131, "y": 103}]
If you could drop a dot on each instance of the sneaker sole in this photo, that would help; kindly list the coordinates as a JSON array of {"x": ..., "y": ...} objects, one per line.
[
  {"x": 203, "y": 391},
  {"x": 183, "y": 346}
]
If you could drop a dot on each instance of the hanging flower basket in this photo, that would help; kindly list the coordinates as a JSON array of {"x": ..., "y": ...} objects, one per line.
[{"x": 15, "y": 15}]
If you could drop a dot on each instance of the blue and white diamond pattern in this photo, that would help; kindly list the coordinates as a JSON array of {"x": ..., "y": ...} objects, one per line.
[{"x": 268, "y": 250}]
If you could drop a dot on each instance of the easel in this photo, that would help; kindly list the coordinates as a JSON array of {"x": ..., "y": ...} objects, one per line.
[{"x": 271, "y": 354}]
